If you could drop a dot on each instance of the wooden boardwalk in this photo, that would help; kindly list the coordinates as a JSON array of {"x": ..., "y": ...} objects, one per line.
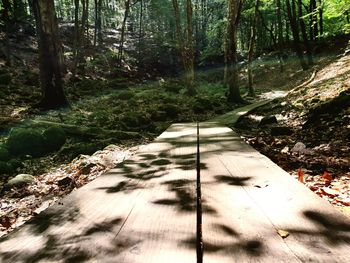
[{"x": 145, "y": 210}]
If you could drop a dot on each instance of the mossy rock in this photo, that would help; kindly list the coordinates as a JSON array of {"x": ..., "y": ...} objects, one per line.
[
  {"x": 26, "y": 142},
  {"x": 4, "y": 154},
  {"x": 5, "y": 79},
  {"x": 55, "y": 138},
  {"x": 20, "y": 180}
]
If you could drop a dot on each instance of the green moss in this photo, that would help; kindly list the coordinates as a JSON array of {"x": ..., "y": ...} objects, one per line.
[
  {"x": 171, "y": 110},
  {"x": 125, "y": 95},
  {"x": 55, "y": 138},
  {"x": 26, "y": 142},
  {"x": 4, "y": 154}
]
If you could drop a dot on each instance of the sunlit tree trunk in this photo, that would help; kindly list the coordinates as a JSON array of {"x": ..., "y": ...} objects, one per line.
[
  {"x": 122, "y": 34},
  {"x": 252, "y": 43},
  {"x": 50, "y": 55},
  {"x": 186, "y": 43},
  {"x": 231, "y": 71},
  {"x": 280, "y": 40}
]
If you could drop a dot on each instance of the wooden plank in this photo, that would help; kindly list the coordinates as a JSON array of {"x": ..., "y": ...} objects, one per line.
[
  {"x": 142, "y": 211},
  {"x": 253, "y": 198}
]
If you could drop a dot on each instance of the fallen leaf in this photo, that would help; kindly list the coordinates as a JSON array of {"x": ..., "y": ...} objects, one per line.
[
  {"x": 301, "y": 176},
  {"x": 283, "y": 233},
  {"x": 6, "y": 222},
  {"x": 329, "y": 192},
  {"x": 327, "y": 177}
]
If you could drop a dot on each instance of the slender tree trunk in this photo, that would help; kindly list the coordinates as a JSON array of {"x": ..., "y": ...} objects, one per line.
[
  {"x": 140, "y": 30},
  {"x": 5, "y": 16},
  {"x": 77, "y": 35},
  {"x": 320, "y": 13},
  {"x": 280, "y": 34},
  {"x": 50, "y": 52},
  {"x": 231, "y": 71},
  {"x": 295, "y": 32},
  {"x": 251, "y": 48},
  {"x": 99, "y": 23},
  {"x": 122, "y": 34},
  {"x": 303, "y": 33},
  {"x": 96, "y": 22},
  {"x": 186, "y": 44}
]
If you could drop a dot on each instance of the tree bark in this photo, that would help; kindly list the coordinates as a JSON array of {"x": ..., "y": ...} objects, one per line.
[
  {"x": 320, "y": 13},
  {"x": 50, "y": 54},
  {"x": 280, "y": 34},
  {"x": 76, "y": 50},
  {"x": 303, "y": 33},
  {"x": 231, "y": 71},
  {"x": 122, "y": 34},
  {"x": 186, "y": 44},
  {"x": 295, "y": 32},
  {"x": 5, "y": 16},
  {"x": 251, "y": 48}
]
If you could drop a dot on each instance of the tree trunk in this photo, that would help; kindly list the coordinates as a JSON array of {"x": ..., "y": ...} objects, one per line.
[
  {"x": 231, "y": 71},
  {"x": 140, "y": 31},
  {"x": 76, "y": 51},
  {"x": 280, "y": 34},
  {"x": 320, "y": 13},
  {"x": 186, "y": 44},
  {"x": 303, "y": 33},
  {"x": 313, "y": 20},
  {"x": 251, "y": 48},
  {"x": 295, "y": 32},
  {"x": 5, "y": 16},
  {"x": 99, "y": 23},
  {"x": 50, "y": 52},
  {"x": 122, "y": 34}
]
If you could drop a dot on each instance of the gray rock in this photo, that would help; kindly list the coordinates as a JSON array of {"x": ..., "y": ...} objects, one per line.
[
  {"x": 20, "y": 180},
  {"x": 299, "y": 147}
]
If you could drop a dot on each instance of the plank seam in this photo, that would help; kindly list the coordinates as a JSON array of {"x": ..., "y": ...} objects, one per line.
[{"x": 199, "y": 203}]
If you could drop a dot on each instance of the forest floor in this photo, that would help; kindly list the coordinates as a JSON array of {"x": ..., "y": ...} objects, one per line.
[
  {"x": 307, "y": 132},
  {"x": 117, "y": 112}
]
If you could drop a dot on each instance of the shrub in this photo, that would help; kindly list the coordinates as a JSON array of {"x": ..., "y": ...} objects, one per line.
[
  {"x": 26, "y": 141},
  {"x": 54, "y": 138}
]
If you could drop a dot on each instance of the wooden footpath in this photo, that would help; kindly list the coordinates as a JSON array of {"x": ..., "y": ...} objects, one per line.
[{"x": 145, "y": 210}]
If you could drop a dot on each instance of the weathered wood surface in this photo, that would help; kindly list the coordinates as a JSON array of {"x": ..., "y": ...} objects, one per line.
[
  {"x": 250, "y": 199},
  {"x": 142, "y": 211},
  {"x": 145, "y": 210}
]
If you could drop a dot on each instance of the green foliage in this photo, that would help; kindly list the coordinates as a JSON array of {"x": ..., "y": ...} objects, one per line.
[
  {"x": 4, "y": 154},
  {"x": 171, "y": 110},
  {"x": 125, "y": 95},
  {"x": 55, "y": 138},
  {"x": 5, "y": 168},
  {"x": 5, "y": 79},
  {"x": 26, "y": 142}
]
